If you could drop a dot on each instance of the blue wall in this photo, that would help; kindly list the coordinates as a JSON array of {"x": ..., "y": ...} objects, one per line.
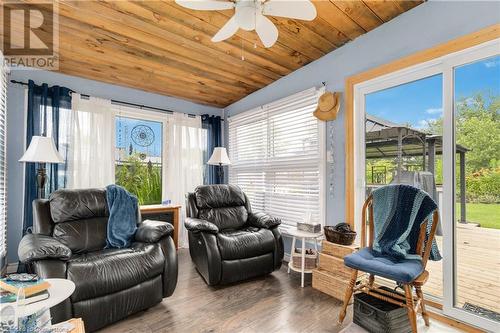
[
  {"x": 427, "y": 25},
  {"x": 16, "y": 129},
  {"x": 15, "y": 171}
]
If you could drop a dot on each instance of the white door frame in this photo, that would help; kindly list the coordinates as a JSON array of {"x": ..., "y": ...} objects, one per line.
[{"x": 444, "y": 65}]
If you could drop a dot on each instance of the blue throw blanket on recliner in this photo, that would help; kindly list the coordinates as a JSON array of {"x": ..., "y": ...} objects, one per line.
[
  {"x": 398, "y": 213},
  {"x": 123, "y": 214}
]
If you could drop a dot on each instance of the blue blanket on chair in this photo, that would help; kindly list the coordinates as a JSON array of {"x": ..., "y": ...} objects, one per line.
[
  {"x": 122, "y": 222},
  {"x": 398, "y": 213}
]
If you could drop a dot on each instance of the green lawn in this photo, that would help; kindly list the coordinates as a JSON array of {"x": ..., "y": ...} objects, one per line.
[{"x": 487, "y": 215}]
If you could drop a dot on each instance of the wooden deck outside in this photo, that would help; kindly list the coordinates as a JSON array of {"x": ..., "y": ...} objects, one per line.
[{"x": 478, "y": 268}]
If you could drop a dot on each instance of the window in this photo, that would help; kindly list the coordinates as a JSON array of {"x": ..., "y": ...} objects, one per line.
[
  {"x": 3, "y": 161},
  {"x": 138, "y": 157},
  {"x": 277, "y": 154}
]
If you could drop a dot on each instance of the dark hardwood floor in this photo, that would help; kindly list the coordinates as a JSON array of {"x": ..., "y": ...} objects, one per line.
[{"x": 274, "y": 303}]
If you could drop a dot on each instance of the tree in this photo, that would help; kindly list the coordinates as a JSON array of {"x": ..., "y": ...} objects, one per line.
[
  {"x": 141, "y": 179},
  {"x": 477, "y": 129}
]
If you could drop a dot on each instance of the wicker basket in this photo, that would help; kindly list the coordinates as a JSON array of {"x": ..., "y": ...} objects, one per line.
[
  {"x": 342, "y": 238},
  {"x": 310, "y": 260}
]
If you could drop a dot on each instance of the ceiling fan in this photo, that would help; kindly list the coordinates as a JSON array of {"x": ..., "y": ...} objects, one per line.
[{"x": 251, "y": 15}]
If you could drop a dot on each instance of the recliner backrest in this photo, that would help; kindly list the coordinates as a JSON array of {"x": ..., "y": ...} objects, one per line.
[
  {"x": 80, "y": 218},
  {"x": 226, "y": 206}
]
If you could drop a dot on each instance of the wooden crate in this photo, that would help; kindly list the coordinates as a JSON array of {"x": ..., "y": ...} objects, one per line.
[
  {"x": 79, "y": 327},
  {"x": 337, "y": 250},
  {"x": 76, "y": 322},
  {"x": 334, "y": 265},
  {"x": 331, "y": 284}
]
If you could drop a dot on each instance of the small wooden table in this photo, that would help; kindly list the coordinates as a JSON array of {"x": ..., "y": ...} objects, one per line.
[{"x": 153, "y": 211}]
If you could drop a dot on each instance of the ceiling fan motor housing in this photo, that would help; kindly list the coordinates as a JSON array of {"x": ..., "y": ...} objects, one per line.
[{"x": 246, "y": 12}]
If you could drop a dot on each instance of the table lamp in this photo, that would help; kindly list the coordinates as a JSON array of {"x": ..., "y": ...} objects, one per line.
[
  {"x": 219, "y": 157},
  {"x": 41, "y": 150}
]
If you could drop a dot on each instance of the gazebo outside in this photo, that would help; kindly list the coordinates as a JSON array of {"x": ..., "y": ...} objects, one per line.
[
  {"x": 387, "y": 140},
  {"x": 412, "y": 151}
]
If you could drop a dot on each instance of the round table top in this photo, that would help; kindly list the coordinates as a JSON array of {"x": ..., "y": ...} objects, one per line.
[
  {"x": 303, "y": 234},
  {"x": 59, "y": 290}
]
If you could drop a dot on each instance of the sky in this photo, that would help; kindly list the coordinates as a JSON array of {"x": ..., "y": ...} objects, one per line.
[
  {"x": 421, "y": 101},
  {"x": 125, "y": 129}
]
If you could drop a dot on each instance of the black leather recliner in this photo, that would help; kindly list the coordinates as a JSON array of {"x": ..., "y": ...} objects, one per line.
[
  {"x": 227, "y": 241},
  {"x": 69, "y": 242}
]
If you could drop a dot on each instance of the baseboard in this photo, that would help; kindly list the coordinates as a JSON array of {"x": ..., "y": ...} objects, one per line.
[
  {"x": 12, "y": 267},
  {"x": 439, "y": 316}
]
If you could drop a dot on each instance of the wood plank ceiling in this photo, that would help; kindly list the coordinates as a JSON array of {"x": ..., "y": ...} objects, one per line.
[{"x": 160, "y": 47}]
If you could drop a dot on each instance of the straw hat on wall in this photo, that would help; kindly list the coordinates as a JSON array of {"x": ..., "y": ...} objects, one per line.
[{"x": 328, "y": 106}]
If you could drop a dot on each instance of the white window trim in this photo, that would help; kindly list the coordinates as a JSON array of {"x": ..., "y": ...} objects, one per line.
[
  {"x": 144, "y": 114},
  {"x": 443, "y": 65}
]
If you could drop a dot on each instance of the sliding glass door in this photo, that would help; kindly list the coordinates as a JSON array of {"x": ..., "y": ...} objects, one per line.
[
  {"x": 437, "y": 126},
  {"x": 477, "y": 184},
  {"x": 471, "y": 126}
]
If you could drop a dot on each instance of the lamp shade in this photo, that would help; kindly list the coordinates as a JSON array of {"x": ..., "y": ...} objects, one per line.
[
  {"x": 42, "y": 150},
  {"x": 219, "y": 157}
]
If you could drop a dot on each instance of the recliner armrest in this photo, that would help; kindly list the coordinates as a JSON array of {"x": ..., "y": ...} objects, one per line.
[
  {"x": 263, "y": 220},
  {"x": 198, "y": 225},
  {"x": 150, "y": 231},
  {"x": 36, "y": 247}
]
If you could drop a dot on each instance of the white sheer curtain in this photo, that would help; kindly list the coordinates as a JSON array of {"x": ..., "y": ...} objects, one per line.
[
  {"x": 184, "y": 169},
  {"x": 91, "y": 148}
]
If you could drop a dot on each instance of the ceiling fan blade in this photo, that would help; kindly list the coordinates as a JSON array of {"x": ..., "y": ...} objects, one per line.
[
  {"x": 205, "y": 4},
  {"x": 226, "y": 31},
  {"x": 267, "y": 31},
  {"x": 298, "y": 9}
]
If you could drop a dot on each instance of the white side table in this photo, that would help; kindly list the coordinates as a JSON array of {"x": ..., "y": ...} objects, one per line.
[
  {"x": 303, "y": 236},
  {"x": 59, "y": 290}
]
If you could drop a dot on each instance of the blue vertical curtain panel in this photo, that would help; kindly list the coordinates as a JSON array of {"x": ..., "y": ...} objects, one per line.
[
  {"x": 48, "y": 110},
  {"x": 214, "y": 139}
]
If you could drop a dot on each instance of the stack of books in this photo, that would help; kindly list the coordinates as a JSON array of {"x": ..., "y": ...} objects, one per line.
[{"x": 34, "y": 291}]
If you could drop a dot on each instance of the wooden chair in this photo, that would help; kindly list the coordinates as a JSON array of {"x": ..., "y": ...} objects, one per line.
[{"x": 408, "y": 300}]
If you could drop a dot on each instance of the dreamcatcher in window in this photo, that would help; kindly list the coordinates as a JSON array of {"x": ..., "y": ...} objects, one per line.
[{"x": 143, "y": 135}]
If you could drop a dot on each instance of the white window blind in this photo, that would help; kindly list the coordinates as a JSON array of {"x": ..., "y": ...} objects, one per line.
[
  {"x": 277, "y": 154},
  {"x": 3, "y": 160}
]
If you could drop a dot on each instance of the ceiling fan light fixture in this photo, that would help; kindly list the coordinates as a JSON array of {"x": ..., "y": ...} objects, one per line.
[{"x": 251, "y": 15}]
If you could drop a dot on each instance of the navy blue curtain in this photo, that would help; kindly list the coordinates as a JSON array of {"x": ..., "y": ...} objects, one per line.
[
  {"x": 49, "y": 111},
  {"x": 214, "y": 139}
]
